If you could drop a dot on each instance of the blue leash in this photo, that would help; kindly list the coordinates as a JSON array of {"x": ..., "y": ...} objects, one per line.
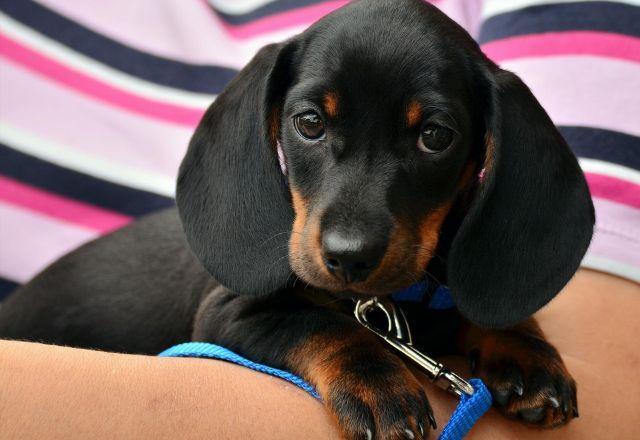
[
  {"x": 467, "y": 413},
  {"x": 213, "y": 351}
]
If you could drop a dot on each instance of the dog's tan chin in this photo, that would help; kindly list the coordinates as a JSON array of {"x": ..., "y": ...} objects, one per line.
[
  {"x": 355, "y": 290},
  {"x": 401, "y": 276}
]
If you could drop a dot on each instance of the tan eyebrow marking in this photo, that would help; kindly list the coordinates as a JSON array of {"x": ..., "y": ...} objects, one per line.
[
  {"x": 331, "y": 104},
  {"x": 414, "y": 113}
]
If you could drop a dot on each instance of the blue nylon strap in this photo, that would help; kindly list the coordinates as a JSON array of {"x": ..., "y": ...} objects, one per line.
[
  {"x": 440, "y": 297},
  {"x": 212, "y": 351},
  {"x": 467, "y": 413}
]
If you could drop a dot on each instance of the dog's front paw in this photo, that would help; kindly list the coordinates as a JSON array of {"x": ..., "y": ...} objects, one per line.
[
  {"x": 529, "y": 382},
  {"x": 381, "y": 400}
]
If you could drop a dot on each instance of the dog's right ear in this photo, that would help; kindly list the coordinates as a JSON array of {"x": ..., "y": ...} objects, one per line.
[{"x": 231, "y": 194}]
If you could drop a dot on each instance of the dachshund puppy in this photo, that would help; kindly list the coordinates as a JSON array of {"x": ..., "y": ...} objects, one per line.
[{"x": 375, "y": 149}]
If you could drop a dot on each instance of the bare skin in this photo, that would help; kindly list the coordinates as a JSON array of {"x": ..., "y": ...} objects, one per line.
[{"x": 57, "y": 392}]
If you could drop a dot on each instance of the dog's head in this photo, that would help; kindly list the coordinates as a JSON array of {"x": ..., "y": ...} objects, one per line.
[{"x": 386, "y": 118}]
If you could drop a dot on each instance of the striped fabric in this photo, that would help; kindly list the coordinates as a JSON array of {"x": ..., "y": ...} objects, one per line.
[
  {"x": 98, "y": 101},
  {"x": 582, "y": 61}
]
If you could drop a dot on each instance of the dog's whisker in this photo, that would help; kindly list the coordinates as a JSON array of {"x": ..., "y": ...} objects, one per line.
[
  {"x": 277, "y": 235},
  {"x": 264, "y": 242},
  {"x": 276, "y": 261}
]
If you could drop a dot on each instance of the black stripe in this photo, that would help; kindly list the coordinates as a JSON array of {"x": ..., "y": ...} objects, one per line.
[
  {"x": 6, "y": 287},
  {"x": 78, "y": 186},
  {"x": 180, "y": 75},
  {"x": 272, "y": 8},
  {"x": 606, "y": 145},
  {"x": 588, "y": 16}
]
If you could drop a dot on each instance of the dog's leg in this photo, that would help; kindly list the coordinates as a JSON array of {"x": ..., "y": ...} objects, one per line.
[
  {"x": 524, "y": 372},
  {"x": 368, "y": 390}
]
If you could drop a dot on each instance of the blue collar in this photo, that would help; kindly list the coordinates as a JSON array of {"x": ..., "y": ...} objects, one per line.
[{"x": 439, "y": 296}]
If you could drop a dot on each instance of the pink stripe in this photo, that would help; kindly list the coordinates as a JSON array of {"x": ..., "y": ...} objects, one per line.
[
  {"x": 53, "y": 205},
  {"x": 31, "y": 241},
  {"x": 94, "y": 88},
  {"x": 55, "y": 113},
  {"x": 564, "y": 43},
  {"x": 294, "y": 17},
  {"x": 616, "y": 190},
  {"x": 584, "y": 90},
  {"x": 188, "y": 30},
  {"x": 617, "y": 235}
]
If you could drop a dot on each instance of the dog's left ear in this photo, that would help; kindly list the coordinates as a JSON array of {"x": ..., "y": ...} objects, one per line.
[
  {"x": 231, "y": 195},
  {"x": 532, "y": 217}
]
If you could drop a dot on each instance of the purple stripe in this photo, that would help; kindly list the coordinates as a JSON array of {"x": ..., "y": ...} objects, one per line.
[
  {"x": 585, "y": 91},
  {"x": 74, "y": 121},
  {"x": 617, "y": 236},
  {"x": 31, "y": 241},
  {"x": 557, "y": 17},
  {"x": 195, "y": 29},
  {"x": 609, "y": 146},
  {"x": 171, "y": 73},
  {"x": 64, "y": 209},
  {"x": 195, "y": 35},
  {"x": 95, "y": 88},
  {"x": 78, "y": 186}
]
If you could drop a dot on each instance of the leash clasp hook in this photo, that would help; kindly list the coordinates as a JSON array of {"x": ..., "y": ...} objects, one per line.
[{"x": 398, "y": 335}]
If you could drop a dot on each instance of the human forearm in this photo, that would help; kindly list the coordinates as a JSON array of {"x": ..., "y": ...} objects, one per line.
[{"x": 56, "y": 392}]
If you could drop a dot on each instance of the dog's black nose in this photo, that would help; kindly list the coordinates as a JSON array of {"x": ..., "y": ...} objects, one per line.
[{"x": 351, "y": 256}]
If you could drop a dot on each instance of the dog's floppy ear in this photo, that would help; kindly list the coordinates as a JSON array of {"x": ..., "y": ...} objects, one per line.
[
  {"x": 232, "y": 198},
  {"x": 532, "y": 217}
]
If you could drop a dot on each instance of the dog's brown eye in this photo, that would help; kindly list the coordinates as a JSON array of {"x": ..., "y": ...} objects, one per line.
[
  {"x": 309, "y": 125},
  {"x": 435, "y": 138}
]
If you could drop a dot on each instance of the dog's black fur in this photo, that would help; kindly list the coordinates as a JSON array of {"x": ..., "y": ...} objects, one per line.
[{"x": 376, "y": 72}]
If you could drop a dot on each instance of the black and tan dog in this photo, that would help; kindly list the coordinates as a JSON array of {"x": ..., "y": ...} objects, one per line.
[{"x": 404, "y": 152}]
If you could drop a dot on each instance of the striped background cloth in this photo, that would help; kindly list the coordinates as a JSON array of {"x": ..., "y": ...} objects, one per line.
[{"x": 98, "y": 100}]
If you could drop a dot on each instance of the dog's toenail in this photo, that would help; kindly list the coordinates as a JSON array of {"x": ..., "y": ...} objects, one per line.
[
  {"x": 518, "y": 389},
  {"x": 554, "y": 402},
  {"x": 409, "y": 434},
  {"x": 432, "y": 419},
  {"x": 369, "y": 434}
]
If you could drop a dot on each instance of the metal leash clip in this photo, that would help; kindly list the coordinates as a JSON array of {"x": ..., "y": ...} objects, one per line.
[{"x": 398, "y": 335}]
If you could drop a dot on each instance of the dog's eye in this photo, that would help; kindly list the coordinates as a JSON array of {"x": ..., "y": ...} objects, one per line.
[
  {"x": 435, "y": 138},
  {"x": 309, "y": 125}
]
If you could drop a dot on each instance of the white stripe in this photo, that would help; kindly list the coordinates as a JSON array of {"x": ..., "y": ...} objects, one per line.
[
  {"x": 238, "y": 7},
  {"x": 611, "y": 266},
  {"x": 610, "y": 169},
  {"x": 496, "y": 7},
  {"x": 93, "y": 68},
  {"x": 33, "y": 145}
]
